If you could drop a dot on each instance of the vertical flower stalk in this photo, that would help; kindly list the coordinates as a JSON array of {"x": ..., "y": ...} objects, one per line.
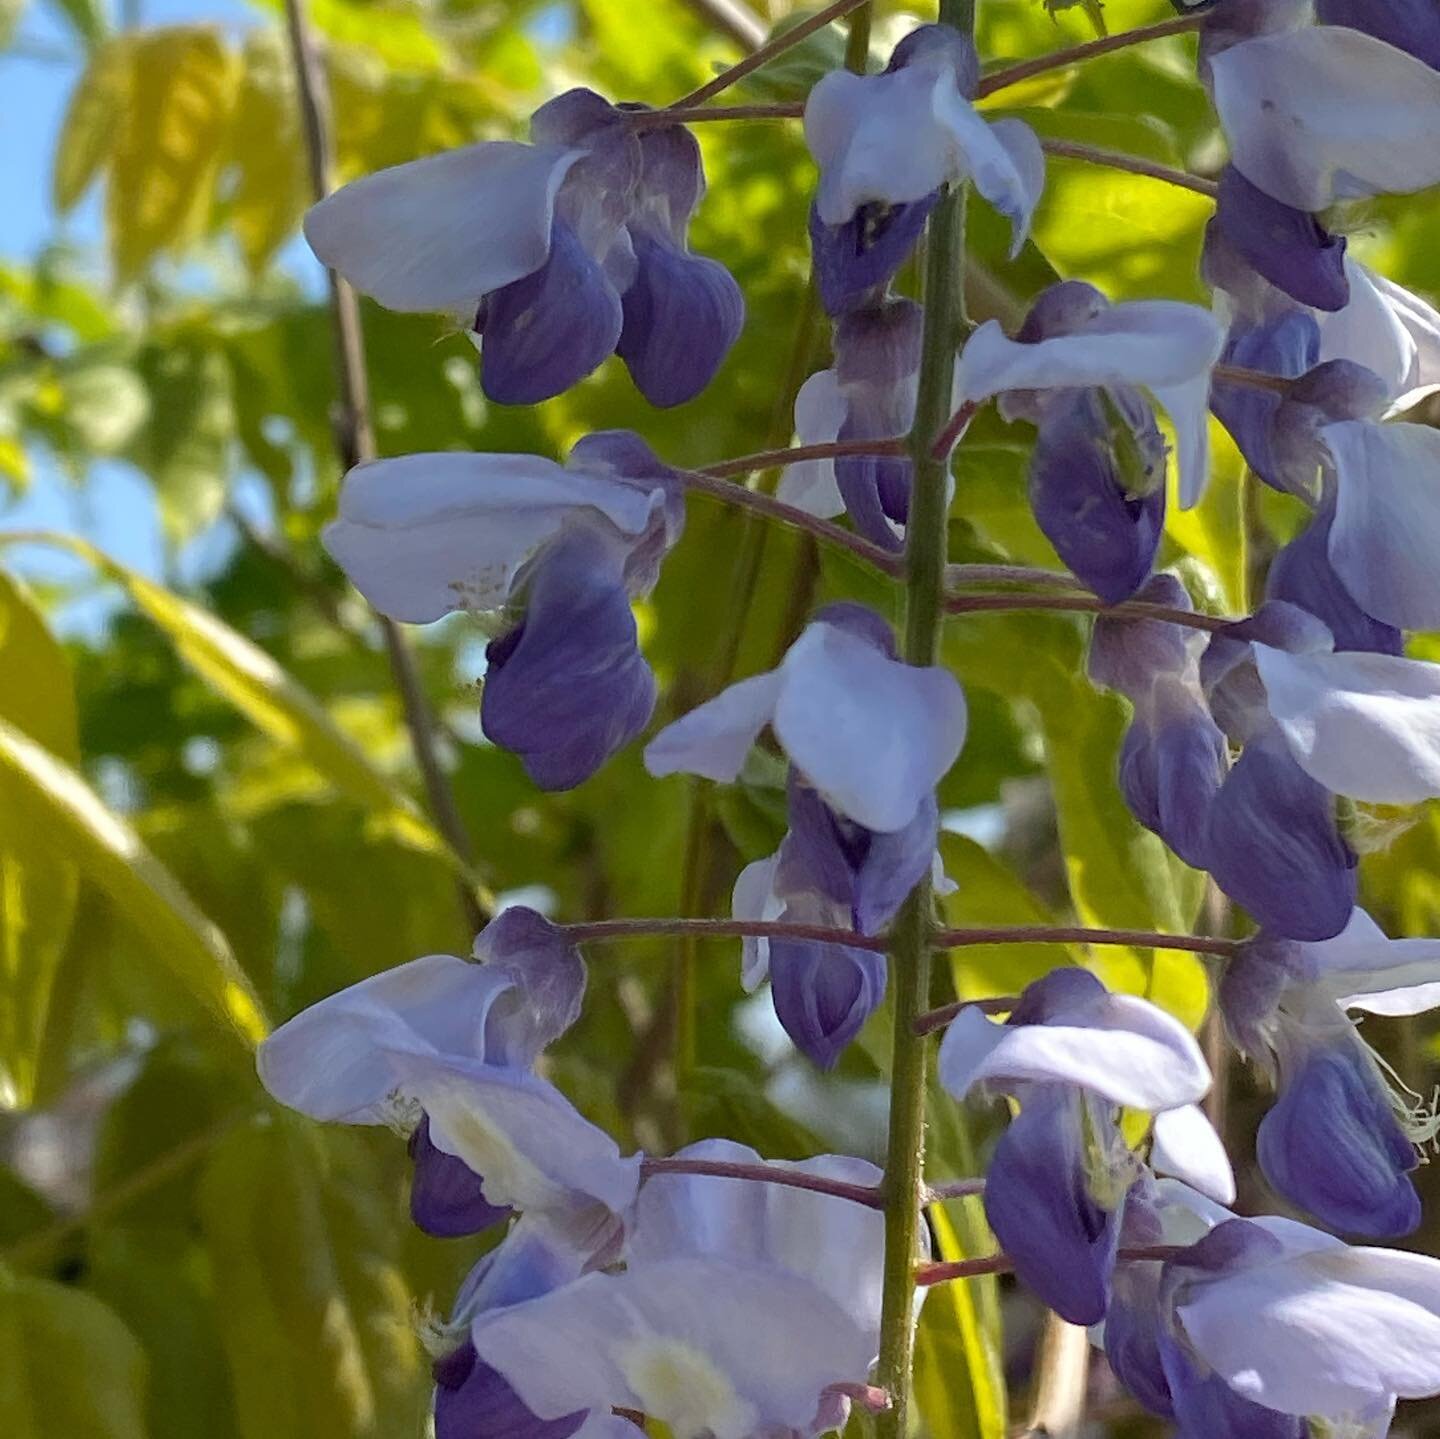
[{"x": 925, "y": 555}]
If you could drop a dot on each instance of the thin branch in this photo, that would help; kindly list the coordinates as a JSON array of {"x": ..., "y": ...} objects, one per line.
[
  {"x": 778, "y": 46},
  {"x": 870, "y": 1195},
  {"x": 700, "y": 114},
  {"x": 942, "y": 1271},
  {"x": 732, "y": 494},
  {"x": 355, "y": 443},
  {"x": 1133, "y": 164},
  {"x": 789, "y": 454},
  {"x": 953, "y": 1189},
  {"x": 1082, "y": 934},
  {"x": 603, "y": 930},
  {"x": 982, "y": 576},
  {"x": 1077, "y": 54},
  {"x": 954, "y": 427},
  {"x": 1256, "y": 379},
  {"x": 1085, "y": 604}
]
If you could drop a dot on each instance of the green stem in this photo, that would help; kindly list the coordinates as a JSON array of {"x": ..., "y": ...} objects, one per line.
[
  {"x": 925, "y": 557},
  {"x": 857, "y": 39}
]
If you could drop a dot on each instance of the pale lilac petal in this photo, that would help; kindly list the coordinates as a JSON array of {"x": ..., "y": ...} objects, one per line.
[
  {"x": 1004, "y": 160},
  {"x": 879, "y": 138},
  {"x": 1121, "y": 1048},
  {"x": 700, "y": 1345},
  {"x": 1187, "y": 404},
  {"x": 1365, "y": 969},
  {"x": 754, "y": 897},
  {"x": 1187, "y": 1147},
  {"x": 1326, "y": 1332},
  {"x": 714, "y": 739},
  {"x": 874, "y": 736},
  {"x": 820, "y": 411},
  {"x": 336, "y": 1060},
  {"x": 1388, "y": 330},
  {"x": 533, "y": 1150},
  {"x": 1386, "y": 532},
  {"x": 1363, "y": 725},
  {"x": 1161, "y": 344},
  {"x": 422, "y": 535},
  {"x": 437, "y": 234},
  {"x": 1326, "y": 113},
  {"x": 793, "y": 1229}
]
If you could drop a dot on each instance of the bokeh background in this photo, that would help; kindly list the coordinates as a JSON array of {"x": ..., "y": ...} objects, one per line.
[{"x": 210, "y": 813}]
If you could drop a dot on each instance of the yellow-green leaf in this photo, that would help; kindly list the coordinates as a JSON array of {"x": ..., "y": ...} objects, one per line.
[
  {"x": 108, "y": 854},
  {"x": 168, "y": 143},
  {"x": 68, "y": 1366},
  {"x": 92, "y": 122},
  {"x": 37, "y": 878},
  {"x": 272, "y": 185}
]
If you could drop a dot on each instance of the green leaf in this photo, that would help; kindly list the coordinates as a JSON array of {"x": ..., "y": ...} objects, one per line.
[
  {"x": 37, "y": 879},
  {"x": 108, "y": 854},
  {"x": 90, "y": 128},
  {"x": 959, "y": 1374},
  {"x": 10, "y": 13},
  {"x": 315, "y": 1319},
  {"x": 86, "y": 18},
  {"x": 168, "y": 142},
  {"x": 68, "y": 1366}
]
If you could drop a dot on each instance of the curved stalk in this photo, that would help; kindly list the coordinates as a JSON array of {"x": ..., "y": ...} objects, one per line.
[
  {"x": 1087, "y": 605},
  {"x": 1132, "y": 164}
]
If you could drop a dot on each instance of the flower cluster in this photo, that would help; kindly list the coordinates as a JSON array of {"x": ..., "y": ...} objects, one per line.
[{"x": 718, "y": 1293}]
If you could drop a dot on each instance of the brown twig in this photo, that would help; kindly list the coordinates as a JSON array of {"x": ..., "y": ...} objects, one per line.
[
  {"x": 942, "y": 1271},
  {"x": 355, "y": 443},
  {"x": 1085, "y": 604},
  {"x": 870, "y": 1195},
  {"x": 1133, "y": 164}
]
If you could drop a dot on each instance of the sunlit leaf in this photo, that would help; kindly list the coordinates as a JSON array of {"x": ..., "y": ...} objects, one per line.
[
  {"x": 85, "y": 17},
  {"x": 91, "y": 128},
  {"x": 67, "y": 1364},
  {"x": 108, "y": 854},
  {"x": 168, "y": 142}
]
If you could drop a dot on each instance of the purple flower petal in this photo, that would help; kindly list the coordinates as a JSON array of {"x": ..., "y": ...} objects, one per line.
[
  {"x": 545, "y": 332},
  {"x": 682, "y": 314},
  {"x": 1206, "y": 1406},
  {"x": 1288, "y": 247},
  {"x": 568, "y": 686},
  {"x": 823, "y": 994},
  {"x": 855, "y": 262},
  {"x": 1409, "y": 25},
  {"x": 473, "y": 1401},
  {"x": 446, "y": 1198},
  {"x": 1332, "y": 1145},
  {"x": 549, "y": 985},
  {"x": 1273, "y": 847}
]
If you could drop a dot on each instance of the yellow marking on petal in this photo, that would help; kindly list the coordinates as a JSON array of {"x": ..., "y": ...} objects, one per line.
[{"x": 682, "y": 1388}]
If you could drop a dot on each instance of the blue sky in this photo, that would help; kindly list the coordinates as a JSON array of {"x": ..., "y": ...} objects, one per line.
[{"x": 114, "y": 507}]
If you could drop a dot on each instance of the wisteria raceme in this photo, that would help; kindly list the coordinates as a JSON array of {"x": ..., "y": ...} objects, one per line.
[{"x": 724, "y": 1295}]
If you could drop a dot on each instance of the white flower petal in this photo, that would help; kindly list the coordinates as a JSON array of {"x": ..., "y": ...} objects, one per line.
[
  {"x": 701, "y": 1345},
  {"x": 1326, "y": 113},
  {"x": 422, "y": 535},
  {"x": 1363, "y": 968},
  {"x": 1187, "y": 1147},
  {"x": 754, "y": 897},
  {"x": 878, "y": 137},
  {"x": 335, "y": 1060},
  {"x": 873, "y": 735},
  {"x": 820, "y": 410},
  {"x": 1364, "y": 725},
  {"x": 1122, "y": 1048},
  {"x": 1003, "y": 159},
  {"x": 1327, "y": 1332},
  {"x": 437, "y": 234},
  {"x": 1188, "y": 405},
  {"x": 1156, "y": 343},
  {"x": 1386, "y": 533},
  {"x": 1387, "y": 329},
  {"x": 713, "y": 739}
]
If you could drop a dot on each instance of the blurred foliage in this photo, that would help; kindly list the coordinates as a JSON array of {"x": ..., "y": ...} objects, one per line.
[{"x": 209, "y": 813}]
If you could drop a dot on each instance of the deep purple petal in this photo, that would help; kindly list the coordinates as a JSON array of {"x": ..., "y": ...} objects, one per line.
[
  {"x": 1250, "y": 988},
  {"x": 445, "y": 1194},
  {"x": 1410, "y": 25},
  {"x": 862, "y": 622},
  {"x": 1170, "y": 772},
  {"x": 1130, "y": 654},
  {"x": 681, "y": 316},
  {"x": 472, "y": 1401},
  {"x": 549, "y": 977},
  {"x": 927, "y": 42},
  {"x": 1273, "y": 847},
  {"x": 854, "y": 262},
  {"x": 1132, "y": 1335},
  {"x": 823, "y": 851},
  {"x": 551, "y": 329},
  {"x": 1061, "y": 309},
  {"x": 1288, "y": 247},
  {"x": 1108, "y": 538},
  {"x": 895, "y": 863},
  {"x": 1061, "y": 1240},
  {"x": 1302, "y": 574},
  {"x": 823, "y": 994},
  {"x": 1205, "y": 1407},
  {"x": 1332, "y": 1145},
  {"x": 568, "y": 686}
]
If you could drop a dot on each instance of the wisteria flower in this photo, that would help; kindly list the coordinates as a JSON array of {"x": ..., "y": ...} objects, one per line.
[
  {"x": 1341, "y": 1139},
  {"x": 1163, "y": 346},
  {"x": 1072, "y": 1053},
  {"x": 558, "y": 253},
  {"x": 886, "y": 143},
  {"x": 872, "y": 735},
  {"x": 558, "y": 550},
  {"x": 1326, "y": 113}
]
